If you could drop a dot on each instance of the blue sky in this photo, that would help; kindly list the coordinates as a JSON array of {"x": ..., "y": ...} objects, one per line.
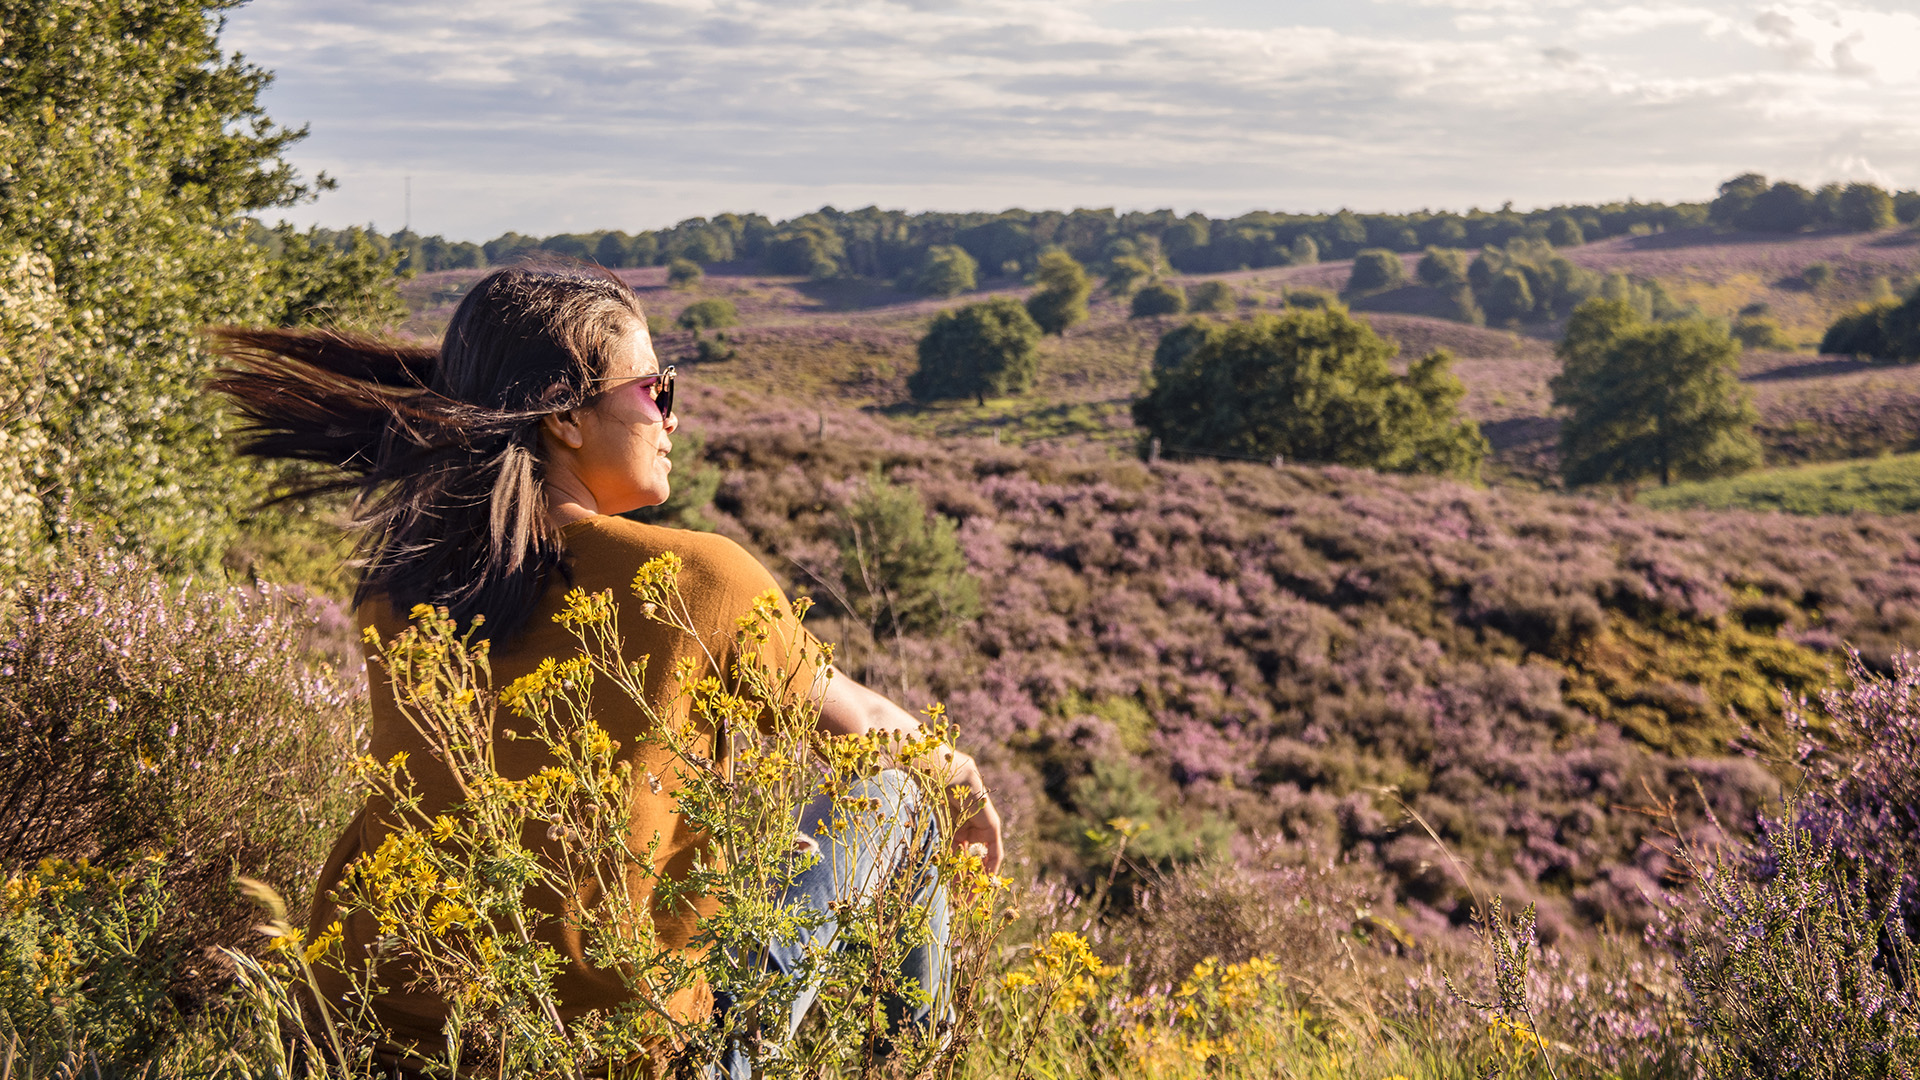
[{"x": 571, "y": 115}]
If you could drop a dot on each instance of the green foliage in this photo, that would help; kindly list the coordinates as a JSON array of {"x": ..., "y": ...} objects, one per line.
[
  {"x": 812, "y": 249},
  {"x": 1443, "y": 268},
  {"x": 683, "y": 273},
  {"x": 1660, "y": 399},
  {"x": 1126, "y": 273},
  {"x": 1748, "y": 202},
  {"x": 977, "y": 350},
  {"x": 345, "y": 282},
  {"x": 1213, "y": 296},
  {"x": 1526, "y": 281},
  {"x": 1648, "y": 299},
  {"x": 1311, "y": 386},
  {"x": 1563, "y": 231},
  {"x": 946, "y": 271},
  {"x": 1061, "y": 299},
  {"x": 1866, "y": 208},
  {"x": 1759, "y": 332},
  {"x": 1888, "y": 485},
  {"x": 710, "y": 314},
  {"x": 133, "y": 150},
  {"x": 1115, "y": 799},
  {"x": 1303, "y": 251},
  {"x": 1375, "y": 270},
  {"x": 1178, "y": 343},
  {"x": 904, "y": 565},
  {"x": 88, "y": 958},
  {"x": 1887, "y": 329},
  {"x": 1159, "y": 298}
]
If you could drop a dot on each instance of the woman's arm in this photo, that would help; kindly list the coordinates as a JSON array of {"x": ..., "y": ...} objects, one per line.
[{"x": 852, "y": 709}]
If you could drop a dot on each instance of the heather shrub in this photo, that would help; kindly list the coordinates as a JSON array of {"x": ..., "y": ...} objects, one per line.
[
  {"x": 902, "y": 566},
  {"x": 1159, "y": 298},
  {"x": 147, "y": 719}
]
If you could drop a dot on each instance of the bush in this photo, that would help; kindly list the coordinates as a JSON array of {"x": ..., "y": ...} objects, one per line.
[
  {"x": 1061, "y": 300},
  {"x": 903, "y": 565},
  {"x": 1759, "y": 332},
  {"x": 1883, "y": 330},
  {"x": 144, "y": 718},
  {"x": 947, "y": 270},
  {"x": 683, "y": 273},
  {"x": 1527, "y": 281},
  {"x": 1126, "y": 273},
  {"x": 1213, "y": 296},
  {"x": 1660, "y": 399},
  {"x": 980, "y": 349},
  {"x": 710, "y": 314},
  {"x": 1375, "y": 270},
  {"x": 1443, "y": 268},
  {"x": 1160, "y": 298},
  {"x": 1240, "y": 392},
  {"x": 1563, "y": 231}
]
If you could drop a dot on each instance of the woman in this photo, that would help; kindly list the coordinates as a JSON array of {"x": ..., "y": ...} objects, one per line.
[{"x": 488, "y": 476}]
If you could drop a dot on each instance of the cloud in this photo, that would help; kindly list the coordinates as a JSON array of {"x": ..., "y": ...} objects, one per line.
[{"x": 600, "y": 113}]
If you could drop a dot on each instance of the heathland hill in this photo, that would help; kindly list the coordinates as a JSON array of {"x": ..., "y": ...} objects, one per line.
[{"x": 1232, "y": 653}]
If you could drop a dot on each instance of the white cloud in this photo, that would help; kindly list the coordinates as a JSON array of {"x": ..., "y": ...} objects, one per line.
[{"x": 597, "y": 113}]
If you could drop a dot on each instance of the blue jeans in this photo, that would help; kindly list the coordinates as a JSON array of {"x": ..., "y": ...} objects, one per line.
[{"x": 884, "y": 847}]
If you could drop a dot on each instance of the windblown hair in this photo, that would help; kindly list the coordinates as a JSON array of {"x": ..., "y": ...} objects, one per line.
[{"x": 441, "y": 448}]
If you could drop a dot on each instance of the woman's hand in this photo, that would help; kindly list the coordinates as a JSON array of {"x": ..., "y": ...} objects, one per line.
[{"x": 848, "y": 708}]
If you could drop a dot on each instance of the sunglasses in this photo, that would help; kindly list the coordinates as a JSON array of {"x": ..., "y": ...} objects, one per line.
[{"x": 659, "y": 394}]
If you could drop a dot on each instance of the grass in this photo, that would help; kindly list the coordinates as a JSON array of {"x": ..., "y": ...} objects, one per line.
[{"x": 1887, "y": 485}]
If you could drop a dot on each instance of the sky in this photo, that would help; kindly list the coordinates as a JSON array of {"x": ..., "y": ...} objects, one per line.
[{"x": 545, "y": 116}]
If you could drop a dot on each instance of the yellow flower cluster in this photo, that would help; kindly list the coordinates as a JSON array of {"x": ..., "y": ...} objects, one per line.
[
  {"x": 1508, "y": 1034},
  {"x": 1064, "y": 968},
  {"x": 53, "y": 879},
  {"x": 582, "y": 609},
  {"x": 401, "y": 880}
]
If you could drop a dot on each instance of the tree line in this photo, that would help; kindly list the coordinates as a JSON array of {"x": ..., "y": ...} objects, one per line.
[{"x": 900, "y": 246}]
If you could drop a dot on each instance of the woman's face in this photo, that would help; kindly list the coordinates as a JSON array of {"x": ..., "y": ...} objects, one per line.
[{"x": 622, "y": 458}]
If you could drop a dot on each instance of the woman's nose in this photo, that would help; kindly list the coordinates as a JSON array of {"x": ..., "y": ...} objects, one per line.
[{"x": 673, "y": 423}]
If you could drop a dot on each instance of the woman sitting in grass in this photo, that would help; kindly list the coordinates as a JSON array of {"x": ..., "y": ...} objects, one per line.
[{"x": 490, "y": 477}]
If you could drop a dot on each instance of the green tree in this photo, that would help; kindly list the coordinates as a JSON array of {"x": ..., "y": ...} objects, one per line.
[
  {"x": 811, "y": 249},
  {"x": 1214, "y": 296},
  {"x": 344, "y": 282},
  {"x": 903, "y": 566},
  {"x": 947, "y": 270},
  {"x": 1126, "y": 273},
  {"x": 1563, "y": 231},
  {"x": 614, "y": 250},
  {"x": 980, "y": 349},
  {"x": 1650, "y": 399},
  {"x": 1303, "y": 251},
  {"x": 709, "y": 314},
  {"x": 1375, "y": 270},
  {"x": 683, "y": 273},
  {"x": 1310, "y": 386},
  {"x": 1061, "y": 299},
  {"x": 1443, "y": 268},
  {"x": 1881, "y": 330},
  {"x": 131, "y": 151},
  {"x": 1865, "y": 208},
  {"x": 1159, "y": 298}
]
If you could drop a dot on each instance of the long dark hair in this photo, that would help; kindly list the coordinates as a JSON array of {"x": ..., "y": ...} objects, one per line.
[{"x": 441, "y": 447}]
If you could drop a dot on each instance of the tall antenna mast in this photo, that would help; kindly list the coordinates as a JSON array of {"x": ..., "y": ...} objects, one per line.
[{"x": 409, "y": 215}]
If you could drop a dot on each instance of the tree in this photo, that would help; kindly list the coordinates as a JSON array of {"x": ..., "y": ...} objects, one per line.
[
  {"x": 1310, "y": 386},
  {"x": 710, "y": 314},
  {"x": 1650, "y": 399},
  {"x": 947, "y": 270},
  {"x": 683, "y": 273},
  {"x": 980, "y": 349},
  {"x": 1214, "y": 296},
  {"x": 1126, "y": 273},
  {"x": 1882, "y": 330},
  {"x": 1159, "y": 298},
  {"x": 1375, "y": 270},
  {"x": 1866, "y": 208},
  {"x": 1443, "y": 268},
  {"x": 812, "y": 249},
  {"x": 614, "y": 250},
  {"x": 134, "y": 151},
  {"x": 1061, "y": 300},
  {"x": 903, "y": 566},
  {"x": 1563, "y": 231}
]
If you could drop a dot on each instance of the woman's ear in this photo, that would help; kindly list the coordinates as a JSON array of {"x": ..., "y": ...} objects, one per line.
[{"x": 562, "y": 428}]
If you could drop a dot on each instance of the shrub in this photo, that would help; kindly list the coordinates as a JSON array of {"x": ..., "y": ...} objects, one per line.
[
  {"x": 1160, "y": 298},
  {"x": 1887, "y": 329},
  {"x": 1061, "y": 300},
  {"x": 980, "y": 349},
  {"x": 1126, "y": 273},
  {"x": 1375, "y": 270},
  {"x": 683, "y": 273},
  {"x": 1241, "y": 392},
  {"x": 1660, "y": 399},
  {"x": 1213, "y": 296},
  {"x": 1816, "y": 276},
  {"x": 1443, "y": 268},
  {"x": 903, "y": 565},
  {"x": 710, "y": 314},
  {"x": 1527, "y": 281},
  {"x": 1563, "y": 231},
  {"x": 1759, "y": 332},
  {"x": 143, "y": 718},
  {"x": 947, "y": 270}
]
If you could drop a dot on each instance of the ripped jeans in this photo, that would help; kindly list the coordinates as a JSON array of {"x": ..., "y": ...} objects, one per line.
[{"x": 889, "y": 849}]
